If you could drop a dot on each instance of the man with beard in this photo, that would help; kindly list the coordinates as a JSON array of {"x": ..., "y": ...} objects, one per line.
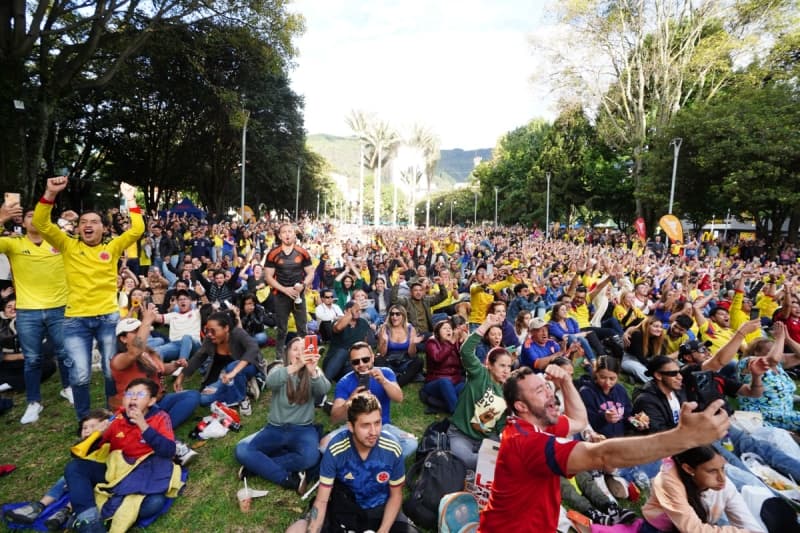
[{"x": 534, "y": 452}]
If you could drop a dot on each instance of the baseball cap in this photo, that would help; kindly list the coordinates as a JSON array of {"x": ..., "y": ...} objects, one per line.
[
  {"x": 127, "y": 325},
  {"x": 536, "y": 323},
  {"x": 693, "y": 346}
]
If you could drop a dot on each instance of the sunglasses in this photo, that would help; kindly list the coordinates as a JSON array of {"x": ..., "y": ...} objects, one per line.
[
  {"x": 670, "y": 373},
  {"x": 395, "y": 313},
  {"x": 360, "y": 361}
]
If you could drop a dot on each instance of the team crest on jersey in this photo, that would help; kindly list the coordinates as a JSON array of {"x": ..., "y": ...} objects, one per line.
[
  {"x": 104, "y": 256},
  {"x": 349, "y": 476},
  {"x": 382, "y": 477}
]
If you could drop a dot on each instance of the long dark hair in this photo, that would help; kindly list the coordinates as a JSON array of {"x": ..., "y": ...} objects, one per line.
[
  {"x": 694, "y": 457},
  {"x": 300, "y": 393}
]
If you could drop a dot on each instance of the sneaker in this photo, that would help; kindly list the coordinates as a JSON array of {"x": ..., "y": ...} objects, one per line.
[
  {"x": 31, "y": 413},
  {"x": 243, "y": 473},
  {"x": 27, "y": 514},
  {"x": 245, "y": 409},
  {"x": 5, "y": 387},
  {"x": 86, "y": 526},
  {"x": 599, "y": 518},
  {"x": 620, "y": 515},
  {"x": 66, "y": 393},
  {"x": 183, "y": 454},
  {"x": 58, "y": 520},
  {"x": 253, "y": 389},
  {"x": 327, "y": 407},
  {"x": 618, "y": 487}
]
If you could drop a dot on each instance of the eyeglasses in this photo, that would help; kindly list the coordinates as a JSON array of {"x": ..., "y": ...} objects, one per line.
[
  {"x": 361, "y": 361},
  {"x": 140, "y": 394},
  {"x": 670, "y": 373},
  {"x": 395, "y": 313}
]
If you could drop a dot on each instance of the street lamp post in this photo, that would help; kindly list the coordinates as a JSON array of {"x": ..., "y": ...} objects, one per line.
[
  {"x": 244, "y": 146},
  {"x": 495, "y": 206},
  {"x": 452, "y": 204},
  {"x": 297, "y": 193},
  {"x": 547, "y": 210},
  {"x": 676, "y": 143}
]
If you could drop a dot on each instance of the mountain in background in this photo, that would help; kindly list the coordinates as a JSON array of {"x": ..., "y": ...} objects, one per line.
[{"x": 342, "y": 154}]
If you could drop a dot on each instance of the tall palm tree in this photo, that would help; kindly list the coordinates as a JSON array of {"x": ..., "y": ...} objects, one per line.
[
  {"x": 358, "y": 122},
  {"x": 382, "y": 138},
  {"x": 427, "y": 141}
]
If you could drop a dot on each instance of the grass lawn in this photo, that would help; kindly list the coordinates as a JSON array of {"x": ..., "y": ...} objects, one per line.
[{"x": 208, "y": 503}]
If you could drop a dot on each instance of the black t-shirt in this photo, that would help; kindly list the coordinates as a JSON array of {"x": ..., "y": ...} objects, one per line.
[{"x": 289, "y": 268}]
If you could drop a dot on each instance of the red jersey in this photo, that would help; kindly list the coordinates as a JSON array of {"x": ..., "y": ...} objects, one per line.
[
  {"x": 526, "y": 493},
  {"x": 124, "y": 435}
]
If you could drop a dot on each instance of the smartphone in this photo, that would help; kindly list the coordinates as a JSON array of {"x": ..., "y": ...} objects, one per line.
[
  {"x": 11, "y": 199},
  {"x": 754, "y": 313},
  {"x": 705, "y": 389},
  {"x": 363, "y": 381},
  {"x": 310, "y": 344}
]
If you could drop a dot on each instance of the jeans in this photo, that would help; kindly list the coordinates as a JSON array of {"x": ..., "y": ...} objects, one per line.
[
  {"x": 771, "y": 454},
  {"x": 180, "y": 405},
  {"x": 445, "y": 390},
  {"x": 58, "y": 489},
  {"x": 32, "y": 327},
  {"x": 632, "y": 367},
  {"x": 79, "y": 332},
  {"x": 335, "y": 363},
  {"x": 232, "y": 393},
  {"x": 275, "y": 451},
  {"x": 584, "y": 342},
  {"x": 261, "y": 339},
  {"x": 283, "y": 306},
  {"x": 464, "y": 447},
  {"x": 182, "y": 349}
]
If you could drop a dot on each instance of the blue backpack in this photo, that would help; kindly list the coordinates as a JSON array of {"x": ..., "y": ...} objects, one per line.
[{"x": 458, "y": 513}]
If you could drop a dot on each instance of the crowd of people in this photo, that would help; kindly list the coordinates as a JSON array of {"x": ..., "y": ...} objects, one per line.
[{"x": 492, "y": 322}]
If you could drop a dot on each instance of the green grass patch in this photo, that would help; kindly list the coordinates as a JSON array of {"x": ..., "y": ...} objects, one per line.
[{"x": 41, "y": 450}]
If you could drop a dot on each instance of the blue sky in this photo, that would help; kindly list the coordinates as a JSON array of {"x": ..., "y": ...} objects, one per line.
[{"x": 463, "y": 68}]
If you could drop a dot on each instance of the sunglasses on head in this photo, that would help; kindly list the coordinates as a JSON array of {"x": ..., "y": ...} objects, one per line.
[
  {"x": 670, "y": 373},
  {"x": 360, "y": 361}
]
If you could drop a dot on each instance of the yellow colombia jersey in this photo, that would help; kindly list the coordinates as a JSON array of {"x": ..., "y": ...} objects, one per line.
[
  {"x": 91, "y": 271},
  {"x": 38, "y": 273}
]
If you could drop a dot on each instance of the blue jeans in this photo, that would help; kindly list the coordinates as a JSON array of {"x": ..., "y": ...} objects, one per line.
[
  {"x": 275, "y": 451},
  {"x": 261, "y": 339},
  {"x": 182, "y": 349},
  {"x": 333, "y": 366},
  {"x": 233, "y": 392},
  {"x": 772, "y": 455},
  {"x": 79, "y": 332},
  {"x": 58, "y": 489},
  {"x": 633, "y": 367},
  {"x": 180, "y": 405},
  {"x": 587, "y": 348},
  {"x": 445, "y": 390},
  {"x": 33, "y": 325}
]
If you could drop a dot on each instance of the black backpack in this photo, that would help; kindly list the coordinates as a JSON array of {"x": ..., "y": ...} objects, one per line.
[
  {"x": 434, "y": 438},
  {"x": 439, "y": 473}
]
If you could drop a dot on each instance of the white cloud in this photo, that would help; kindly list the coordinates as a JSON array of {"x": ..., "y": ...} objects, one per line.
[{"x": 461, "y": 67}]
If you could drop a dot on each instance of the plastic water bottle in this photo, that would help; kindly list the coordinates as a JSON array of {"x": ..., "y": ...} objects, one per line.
[{"x": 299, "y": 288}]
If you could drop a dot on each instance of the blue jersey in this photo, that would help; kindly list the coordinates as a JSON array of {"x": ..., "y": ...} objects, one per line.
[
  {"x": 369, "y": 478},
  {"x": 349, "y": 383},
  {"x": 532, "y": 351}
]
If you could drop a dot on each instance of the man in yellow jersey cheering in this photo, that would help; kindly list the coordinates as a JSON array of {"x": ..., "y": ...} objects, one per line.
[
  {"x": 90, "y": 266},
  {"x": 41, "y": 291}
]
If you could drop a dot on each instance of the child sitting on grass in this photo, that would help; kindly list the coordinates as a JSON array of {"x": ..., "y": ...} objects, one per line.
[{"x": 96, "y": 420}]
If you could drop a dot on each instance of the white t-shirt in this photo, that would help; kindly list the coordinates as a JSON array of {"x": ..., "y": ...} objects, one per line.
[
  {"x": 181, "y": 324},
  {"x": 324, "y": 312},
  {"x": 675, "y": 406}
]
